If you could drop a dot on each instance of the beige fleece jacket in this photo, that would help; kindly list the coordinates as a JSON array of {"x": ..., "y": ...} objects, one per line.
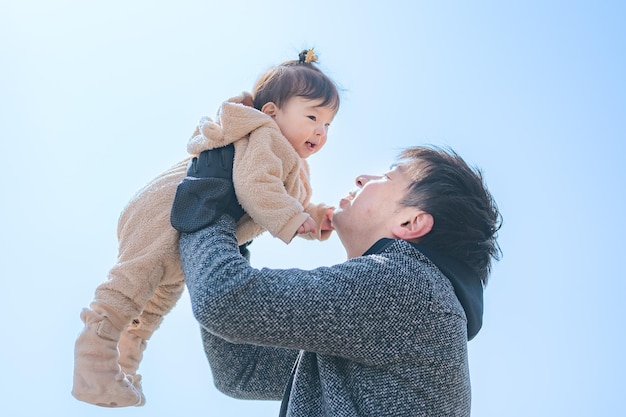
[
  {"x": 272, "y": 185},
  {"x": 271, "y": 180}
]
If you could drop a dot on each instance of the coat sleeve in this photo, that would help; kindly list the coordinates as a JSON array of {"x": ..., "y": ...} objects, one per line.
[
  {"x": 263, "y": 177},
  {"x": 247, "y": 371},
  {"x": 369, "y": 309}
]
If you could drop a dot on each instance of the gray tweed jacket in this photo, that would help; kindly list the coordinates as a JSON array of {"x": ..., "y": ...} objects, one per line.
[{"x": 379, "y": 335}]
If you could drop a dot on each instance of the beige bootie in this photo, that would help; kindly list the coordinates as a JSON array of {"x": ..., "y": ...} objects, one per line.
[
  {"x": 131, "y": 347},
  {"x": 98, "y": 378}
]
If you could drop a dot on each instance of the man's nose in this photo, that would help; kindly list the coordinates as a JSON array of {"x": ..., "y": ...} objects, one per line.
[{"x": 361, "y": 180}]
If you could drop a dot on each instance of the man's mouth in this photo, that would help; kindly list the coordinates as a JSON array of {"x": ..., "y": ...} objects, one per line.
[{"x": 348, "y": 199}]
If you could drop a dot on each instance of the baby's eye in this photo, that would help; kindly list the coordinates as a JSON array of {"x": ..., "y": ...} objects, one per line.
[{"x": 312, "y": 118}]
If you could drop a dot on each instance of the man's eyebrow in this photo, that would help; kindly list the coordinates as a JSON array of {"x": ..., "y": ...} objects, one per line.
[{"x": 396, "y": 167}]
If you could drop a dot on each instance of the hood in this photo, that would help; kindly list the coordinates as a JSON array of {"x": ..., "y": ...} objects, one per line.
[
  {"x": 467, "y": 287},
  {"x": 235, "y": 120}
]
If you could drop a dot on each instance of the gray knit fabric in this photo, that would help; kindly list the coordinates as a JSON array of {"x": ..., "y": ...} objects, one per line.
[{"x": 382, "y": 335}]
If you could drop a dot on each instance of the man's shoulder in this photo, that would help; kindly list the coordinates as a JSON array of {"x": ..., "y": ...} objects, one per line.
[
  {"x": 399, "y": 256},
  {"x": 398, "y": 248}
]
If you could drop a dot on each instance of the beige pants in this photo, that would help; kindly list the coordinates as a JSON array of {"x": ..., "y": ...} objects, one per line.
[{"x": 147, "y": 280}]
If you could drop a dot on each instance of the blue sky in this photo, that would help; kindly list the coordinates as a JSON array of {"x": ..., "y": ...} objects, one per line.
[{"x": 97, "y": 99}]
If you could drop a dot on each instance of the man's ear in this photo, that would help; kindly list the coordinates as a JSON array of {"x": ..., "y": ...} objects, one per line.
[
  {"x": 417, "y": 225},
  {"x": 270, "y": 108}
]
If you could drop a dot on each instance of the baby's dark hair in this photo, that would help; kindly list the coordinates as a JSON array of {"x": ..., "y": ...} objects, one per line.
[
  {"x": 466, "y": 217},
  {"x": 300, "y": 77}
]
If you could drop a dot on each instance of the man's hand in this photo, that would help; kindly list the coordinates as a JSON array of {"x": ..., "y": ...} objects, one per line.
[
  {"x": 213, "y": 163},
  {"x": 207, "y": 191}
]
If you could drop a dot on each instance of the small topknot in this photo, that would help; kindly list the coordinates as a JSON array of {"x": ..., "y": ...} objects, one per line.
[{"x": 307, "y": 56}]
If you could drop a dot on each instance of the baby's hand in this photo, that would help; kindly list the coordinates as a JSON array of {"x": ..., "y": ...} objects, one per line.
[
  {"x": 326, "y": 228},
  {"x": 309, "y": 226},
  {"x": 327, "y": 221}
]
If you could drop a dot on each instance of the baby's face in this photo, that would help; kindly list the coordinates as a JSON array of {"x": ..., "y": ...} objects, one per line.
[{"x": 305, "y": 124}]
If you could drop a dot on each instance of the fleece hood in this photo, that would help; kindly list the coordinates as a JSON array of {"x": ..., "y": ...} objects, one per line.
[{"x": 236, "y": 119}]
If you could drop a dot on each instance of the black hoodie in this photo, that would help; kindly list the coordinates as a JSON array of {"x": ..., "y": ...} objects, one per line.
[{"x": 467, "y": 286}]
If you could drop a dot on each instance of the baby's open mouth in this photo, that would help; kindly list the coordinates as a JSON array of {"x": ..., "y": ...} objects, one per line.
[{"x": 310, "y": 145}]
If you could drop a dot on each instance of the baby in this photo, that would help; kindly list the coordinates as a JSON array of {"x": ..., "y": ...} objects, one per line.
[{"x": 273, "y": 131}]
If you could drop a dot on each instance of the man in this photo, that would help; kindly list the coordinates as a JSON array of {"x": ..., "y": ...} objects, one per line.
[{"x": 384, "y": 333}]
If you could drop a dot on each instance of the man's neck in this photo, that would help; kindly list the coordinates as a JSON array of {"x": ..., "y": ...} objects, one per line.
[{"x": 354, "y": 248}]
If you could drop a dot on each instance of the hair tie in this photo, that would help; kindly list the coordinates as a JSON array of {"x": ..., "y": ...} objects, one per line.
[{"x": 307, "y": 56}]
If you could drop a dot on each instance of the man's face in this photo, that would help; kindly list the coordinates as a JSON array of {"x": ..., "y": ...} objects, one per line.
[{"x": 371, "y": 211}]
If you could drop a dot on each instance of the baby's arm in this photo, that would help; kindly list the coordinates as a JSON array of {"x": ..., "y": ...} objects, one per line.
[
  {"x": 264, "y": 175},
  {"x": 309, "y": 226},
  {"x": 322, "y": 215}
]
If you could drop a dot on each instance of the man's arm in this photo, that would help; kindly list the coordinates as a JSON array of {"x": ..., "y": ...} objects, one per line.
[
  {"x": 369, "y": 309},
  {"x": 248, "y": 371}
]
